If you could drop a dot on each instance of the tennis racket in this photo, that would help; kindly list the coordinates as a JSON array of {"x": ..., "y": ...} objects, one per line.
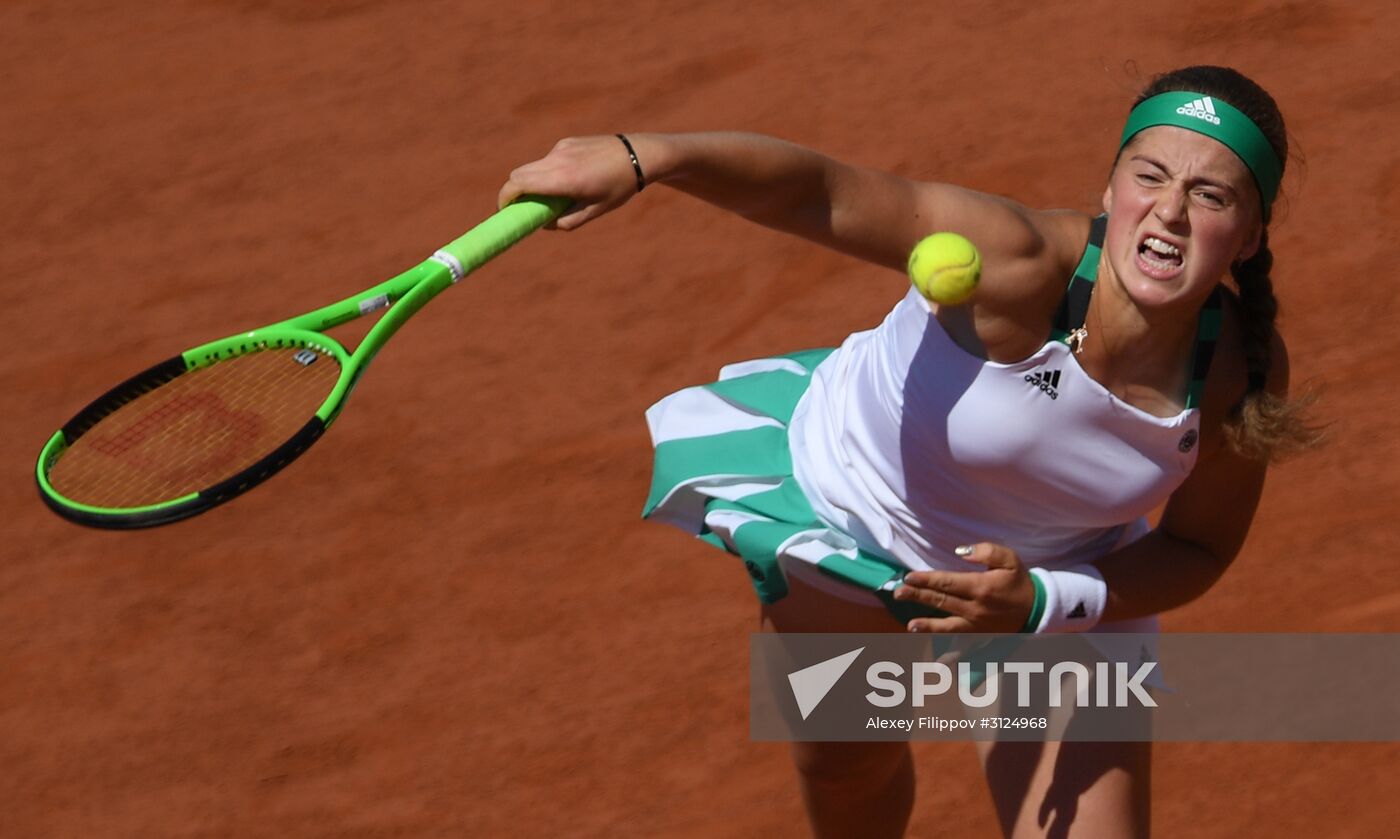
[{"x": 211, "y": 423}]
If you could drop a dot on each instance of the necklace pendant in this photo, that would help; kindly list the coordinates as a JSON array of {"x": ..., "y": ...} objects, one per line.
[{"x": 1075, "y": 340}]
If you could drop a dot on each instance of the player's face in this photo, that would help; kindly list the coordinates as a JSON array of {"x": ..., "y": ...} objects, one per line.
[{"x": 1182, "y": 207}]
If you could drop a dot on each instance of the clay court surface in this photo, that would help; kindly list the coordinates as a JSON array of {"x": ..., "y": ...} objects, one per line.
[{"x": 447, "y": 619}]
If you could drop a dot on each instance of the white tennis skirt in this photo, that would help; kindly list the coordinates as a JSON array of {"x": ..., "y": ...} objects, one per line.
[{"x": 723, "y": 473}]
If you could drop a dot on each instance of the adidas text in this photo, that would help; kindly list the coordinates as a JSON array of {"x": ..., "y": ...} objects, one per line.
[
  {"x": 1046, "y": 382},
  {"x": 1202, "y": 108}
]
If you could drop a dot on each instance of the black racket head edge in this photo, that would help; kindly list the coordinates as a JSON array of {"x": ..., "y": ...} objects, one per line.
[{"x": 208, "y": 498}]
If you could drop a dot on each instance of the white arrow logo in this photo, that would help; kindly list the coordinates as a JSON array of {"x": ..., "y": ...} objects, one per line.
[{"x": 810, "y": 685}]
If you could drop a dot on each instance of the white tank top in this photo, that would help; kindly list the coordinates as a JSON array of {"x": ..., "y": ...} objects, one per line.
[{"x": 913, "y": 446}]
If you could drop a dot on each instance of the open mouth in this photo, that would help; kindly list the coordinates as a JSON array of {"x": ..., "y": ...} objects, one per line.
[{"x": 1159, "y": 259}]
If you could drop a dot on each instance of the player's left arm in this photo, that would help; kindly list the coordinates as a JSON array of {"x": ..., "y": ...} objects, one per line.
[{"x": 1200, "y": 534}]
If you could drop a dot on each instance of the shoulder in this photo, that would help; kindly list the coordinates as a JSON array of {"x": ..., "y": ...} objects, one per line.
[
  {"x": 1034, "y": 256},
  {"x": 1005, "y": 231},
  {"x": 880, "y": 217}
]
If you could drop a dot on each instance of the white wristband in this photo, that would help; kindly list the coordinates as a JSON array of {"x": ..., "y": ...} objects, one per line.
[{"x": 1074, "y": 599}]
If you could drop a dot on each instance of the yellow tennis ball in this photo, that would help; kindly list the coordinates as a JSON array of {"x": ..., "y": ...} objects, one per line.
[{"x": 945, "y": 268}]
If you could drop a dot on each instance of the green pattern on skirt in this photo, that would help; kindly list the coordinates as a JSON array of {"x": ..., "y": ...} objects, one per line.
[{"x": 734, "y": 487}]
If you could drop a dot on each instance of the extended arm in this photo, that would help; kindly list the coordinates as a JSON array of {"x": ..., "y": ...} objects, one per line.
[{"x": 868, "y": 214}]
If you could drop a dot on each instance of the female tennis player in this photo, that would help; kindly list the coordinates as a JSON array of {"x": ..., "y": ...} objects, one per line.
[{"x": 989, "y": 465}]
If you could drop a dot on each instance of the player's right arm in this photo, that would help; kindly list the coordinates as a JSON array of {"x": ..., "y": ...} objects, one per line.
[{"x": 868, "y": 214}]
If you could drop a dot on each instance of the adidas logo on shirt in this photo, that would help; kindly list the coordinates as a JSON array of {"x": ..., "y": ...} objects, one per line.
[
  {"x": 1202, "y": 108},
  {"x": 1046, "y": 382}
]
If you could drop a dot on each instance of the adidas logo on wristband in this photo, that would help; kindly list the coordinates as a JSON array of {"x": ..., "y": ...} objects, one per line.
[
  {"x": 1074, "y": 598},
  {"x": 1200, "y": 109}
]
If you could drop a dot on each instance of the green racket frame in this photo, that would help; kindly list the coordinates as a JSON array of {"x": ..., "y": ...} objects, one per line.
[{"x": 404, "y": 295}]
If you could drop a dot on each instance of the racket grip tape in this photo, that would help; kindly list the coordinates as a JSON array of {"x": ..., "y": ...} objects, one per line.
[{"x": 512, "y": 223}]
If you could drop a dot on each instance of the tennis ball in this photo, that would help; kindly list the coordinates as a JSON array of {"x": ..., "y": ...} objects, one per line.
[{"x": 945, "y": 268}]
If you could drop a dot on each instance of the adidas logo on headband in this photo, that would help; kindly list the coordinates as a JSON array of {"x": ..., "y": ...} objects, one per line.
[
  {"x": 1200, "y": 109},
  {"x": 1219, "y": 120}
]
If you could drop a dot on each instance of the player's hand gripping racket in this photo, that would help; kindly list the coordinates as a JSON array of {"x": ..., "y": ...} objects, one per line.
[{"x": 215, "y": 421}]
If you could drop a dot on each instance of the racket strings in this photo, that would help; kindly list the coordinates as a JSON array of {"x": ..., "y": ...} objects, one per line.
[{"x": 196, "y": 430}]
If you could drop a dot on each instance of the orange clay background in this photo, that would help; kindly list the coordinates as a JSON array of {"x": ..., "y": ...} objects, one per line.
[{"x": 447, "y": 619}]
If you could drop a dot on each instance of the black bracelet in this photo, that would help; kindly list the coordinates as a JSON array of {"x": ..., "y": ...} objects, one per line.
[{"x": 636, "y": 164}]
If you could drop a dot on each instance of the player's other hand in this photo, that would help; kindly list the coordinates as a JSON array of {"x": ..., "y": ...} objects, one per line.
[
  {"x": 596, "y": 172},
  {"x": 998, "y": 599}
]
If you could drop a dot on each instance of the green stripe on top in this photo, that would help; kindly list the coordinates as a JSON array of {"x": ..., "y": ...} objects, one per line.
[
  {"x": 1088, "y": 267},
  {"x": 1207, "y": 333},
  {"x": 1212, "y": 317},
  {"x": 1073, "y": 306}
]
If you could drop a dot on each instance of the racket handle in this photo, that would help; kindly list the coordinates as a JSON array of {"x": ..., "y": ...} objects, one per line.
[{"x": 512, "y": 223}]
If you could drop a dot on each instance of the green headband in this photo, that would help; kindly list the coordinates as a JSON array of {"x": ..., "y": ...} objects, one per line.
[{"x": 1218, "y": 120}]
